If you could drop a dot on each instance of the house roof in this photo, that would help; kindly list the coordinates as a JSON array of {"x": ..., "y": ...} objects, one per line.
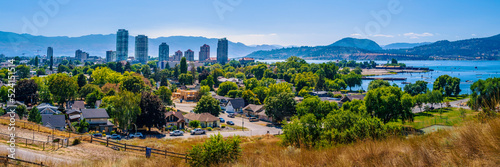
[
  {"x": 203, "y": 117},
  {"x": 71, "y": 117},
  {"x": 254, "y": 108},
  {"x": 73, "y": 111},
  {"x": 176, "y": 114},
  {"x": 53, "y": 121},
  {"x": 46, "y": 108},
  {"x": 237, "y": 103},
  {"x": 222, "y": 97},
  {"x": 78, "y": 105},
  {"x": 94, "y": 113}
]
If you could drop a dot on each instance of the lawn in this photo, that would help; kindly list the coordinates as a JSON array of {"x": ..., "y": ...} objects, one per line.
[
  {"x": 444, "y": 116},
  {"x": 455, "y": 98}
]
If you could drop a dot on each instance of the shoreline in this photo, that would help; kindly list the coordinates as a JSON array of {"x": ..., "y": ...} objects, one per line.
[{"x": 377, "y": 72}]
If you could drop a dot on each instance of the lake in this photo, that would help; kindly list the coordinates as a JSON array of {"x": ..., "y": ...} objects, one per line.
[{"x": 465, "y": 70}]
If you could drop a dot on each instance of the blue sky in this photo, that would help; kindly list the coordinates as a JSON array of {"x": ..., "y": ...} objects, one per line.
[{"x": 283, "y": 22}]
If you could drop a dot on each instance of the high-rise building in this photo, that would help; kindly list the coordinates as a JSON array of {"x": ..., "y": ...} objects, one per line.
[
  {"x": 222, "y": 51},
  {"x": 110, "y": 56},
  {"x": 141, "y": 48},
  {"x": 79, "y": 55},
  {"x": 204, "y": 53},
  {"x": 122, "y": 45},
  {"x": 189, "y": 54},
  {"x": 50, "y": 52},
  {"x": 178, "y": 55},
  {"x": 163, "y": 52}
]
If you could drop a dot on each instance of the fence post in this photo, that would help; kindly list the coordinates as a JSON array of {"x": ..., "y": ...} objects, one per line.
[
  {"x": 125, "y": 146},
  {"x": 165, "y": 153},
  {"x": 43, "y": 146},
  {"x": 107, "y": 141},
  {"x": 186, "y": 158},
  {"x": 91, "y": 138},
  {"x": 6, "y": 160}
]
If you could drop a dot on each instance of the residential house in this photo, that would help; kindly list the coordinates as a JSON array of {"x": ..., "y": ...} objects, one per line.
[
  {"x": 320, "y": 93},
  {"x": 246, "y": 60},
  {"x": 175, "y": 119},
  {"x": 46, "y": 108},
  {"x": 54, "y": 121},
  {"x": 352, "y": 97},
  {"x": 235, "y": 105},
  {"x": 253, "y": 109},
  {"x": 97, "y": 119},
  {"x": 235, "y": 80},
  {"x": 187, "y": 95},
  {"x": 222, "y": 101},
  {"x": 76, "y": 105},
  {"x": 73, "y": 115},
  {"x": 206, "y": 119}
]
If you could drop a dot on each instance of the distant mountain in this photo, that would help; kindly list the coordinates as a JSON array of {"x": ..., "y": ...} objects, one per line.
[
  {"x": 365, "y": 44},
  {"x": 404, "y": 45},
  {"x": 13, "y": 44},
  {"x": 477, "y": 48},
  {"x": 359, "y": 49}
]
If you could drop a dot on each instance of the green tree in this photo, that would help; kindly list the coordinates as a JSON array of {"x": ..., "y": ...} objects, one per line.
[
  {"x": 4, "y": 94},
  {"x": 315, "y": 106},
  {"x": 280, "y": 106},
  {"x": 450, "y": 85},
  {"x": 207, "y": 104},
  {"x": 21, "y": 111},
  {"x": 194, "y": 123},
  {"x": 81, "y": 80},
  {"x": 184, "y": 67},
  {"x": 389, "y": 103},
  {"x": 250, "y": 97},
  {"x": 88, "y": 89},
  {"x": 23, "y": 71},
  {"x": 377, "y": 84},
  {"x": 26, "y": 91},
  {"x": 485, "y": 94},
  {"x": 63, "y": 88},
  {"x": 234, "y": 93},
  {"x": 36, "y": 61},
  {"x": 91, "y": 98},
  {"x": 133, "y": 83},
  {"x": 225, "y": 87},
  {"x": 152, "y": 111},
  {"x": 418, "y": 87},
  {"x": 352, "y": 80},
  {"x": 185, "y": 79},
  {"x": 51, "y": 63},
  {"x": 146, "y": 71},
  {"x": 251, "y": 83},
  {"x": 209, "y": 81},
  {"x": 261, "y": 93},
  {"x": 204, "y": 90},
  {"x": 275, "y": 89},
  {"x": 215, "y": 151},
  {"x": 165, "y": 95},
  {"x": 34, "y": 115},
  {"x": 125, "y": 109},
  {"x": 258, "y": 71}
]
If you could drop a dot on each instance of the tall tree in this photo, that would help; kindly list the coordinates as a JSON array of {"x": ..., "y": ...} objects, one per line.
[
  {"x": 207, "y": 104},
  {"x": 26, "y": 91},
  {"x": 389, "y": 103},
  {"x": 184, "y": 67},
  {"x": 34, "y": 115},
  {"x": 352, "y": 79},
  {"x": 125, "y": 109},
  {"x": 280, "y": 106},
  {"x": 23, "y": 71},
  {"x": 36, "y": 61},
  {"x": 63, "y": 88},
  {"x": 165, "y": 95},
  {"x": 225, "y": 87},
  {"x": 377, "y": 84},
  {"x": 152, "y": 111},
  {"x": 51, "y": 63},
  {"x": 81, "y": 80},
  {"x": 133, "y": 83},
  {"x": 21, "y": 111}
]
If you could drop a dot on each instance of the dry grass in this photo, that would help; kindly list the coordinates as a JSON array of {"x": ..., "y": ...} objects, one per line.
[{"x": 24, "y": 124}]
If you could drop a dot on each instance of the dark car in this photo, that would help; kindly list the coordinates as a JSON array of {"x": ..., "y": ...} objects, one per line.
[
  {"x": 222, "y": 120},
  {"x": 230, "y": 122},
  {"x": 97, "y": 135},
  {"x": 231, "y": 115}
]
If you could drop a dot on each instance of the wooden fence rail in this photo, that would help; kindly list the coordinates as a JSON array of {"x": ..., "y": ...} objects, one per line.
[{"x": 5, "y": 160}]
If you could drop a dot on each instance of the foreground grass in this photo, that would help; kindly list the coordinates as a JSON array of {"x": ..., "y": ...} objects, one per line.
[{"x": 471, "y": 144}]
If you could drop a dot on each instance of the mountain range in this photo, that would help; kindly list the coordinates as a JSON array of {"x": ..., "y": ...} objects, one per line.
[
  {"x": 13, "y": 44},
  {"x": 404, "y": 45},
  {"x": 365, "y": 49}
]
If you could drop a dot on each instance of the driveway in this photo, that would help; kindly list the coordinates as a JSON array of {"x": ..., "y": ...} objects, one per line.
[{"x": 185, "y": 106}]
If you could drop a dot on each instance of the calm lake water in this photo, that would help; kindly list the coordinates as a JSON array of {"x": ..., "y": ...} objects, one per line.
[{"x": 465, "y": 70}]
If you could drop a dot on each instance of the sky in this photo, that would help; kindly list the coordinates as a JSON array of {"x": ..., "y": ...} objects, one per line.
[{"x": 255, "y": 22}]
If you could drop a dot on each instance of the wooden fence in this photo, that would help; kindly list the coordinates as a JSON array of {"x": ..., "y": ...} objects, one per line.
[
  {"x": 35, "y": 143},
  {"x": 5, "y": 160},
  {"x": 128, "y": 147}
]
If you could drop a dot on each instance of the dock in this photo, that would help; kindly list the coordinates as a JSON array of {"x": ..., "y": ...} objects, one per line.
[{"x": 385, "y": 78}]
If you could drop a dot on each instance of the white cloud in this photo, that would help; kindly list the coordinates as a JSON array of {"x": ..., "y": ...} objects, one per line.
[
  {"x": 356, "y": 35},
  {"x": 473, "y": 35},
  {"x": 412, "y": 35}
]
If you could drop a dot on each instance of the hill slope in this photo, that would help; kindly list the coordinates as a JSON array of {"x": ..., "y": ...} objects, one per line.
[
  {"x": 365, "y": 44},
  {"x": 12, "y": 44},
  {"x": 404, "y": 45}
]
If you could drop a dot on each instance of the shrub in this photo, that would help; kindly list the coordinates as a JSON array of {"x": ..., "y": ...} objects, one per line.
[
  {"x": 113, "y": 132},
  {"x": 209, "y": 128},
  {"x": 215, "y": 151},
  {"x": 337, "y": 96},
  {"x": 194, "y": 123},
  {"x": 223, "y": 126},
  {"x": 76, "y": 141}
]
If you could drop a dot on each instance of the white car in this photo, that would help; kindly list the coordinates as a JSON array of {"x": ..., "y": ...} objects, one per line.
[
  {"x": 138, "y": 134},
  {"x": 197, "y": 131},
  {"x": 114, "y": 136},
  {"x": 177, "y": 133}
]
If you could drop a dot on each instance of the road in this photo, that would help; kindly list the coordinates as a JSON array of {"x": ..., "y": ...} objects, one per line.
[{"x": 436, "y": 106}]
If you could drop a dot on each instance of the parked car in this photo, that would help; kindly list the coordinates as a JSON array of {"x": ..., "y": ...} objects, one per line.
[
  {"x": 97, "y": 135},
  {"x": 197, "y": 131},
  {"x": 222, "y": 120},
  {"x": 230, "y": 122},
  {"x": 253, "y": 119},
  {"x": 177, "y": 133},
  {"x": 138, "y": 134},
  {"x": 115, "y": 136},
  {"x": 231, "y": 115}
]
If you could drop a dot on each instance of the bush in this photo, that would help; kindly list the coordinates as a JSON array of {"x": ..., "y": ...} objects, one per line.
[
  {"x": 113, "y": 132},
  {"x": 337, "y": 96},
  {"x": 209, "y": 128},
  {"x": 223, "y": 126},
  {"x": 76, "y": 141},
  {"x": 194, "y": 123},
  {"x": 215, "y": 151}
]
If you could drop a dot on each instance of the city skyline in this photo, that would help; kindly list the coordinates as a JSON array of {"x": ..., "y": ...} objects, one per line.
[{"x": 406, "y": 21}]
